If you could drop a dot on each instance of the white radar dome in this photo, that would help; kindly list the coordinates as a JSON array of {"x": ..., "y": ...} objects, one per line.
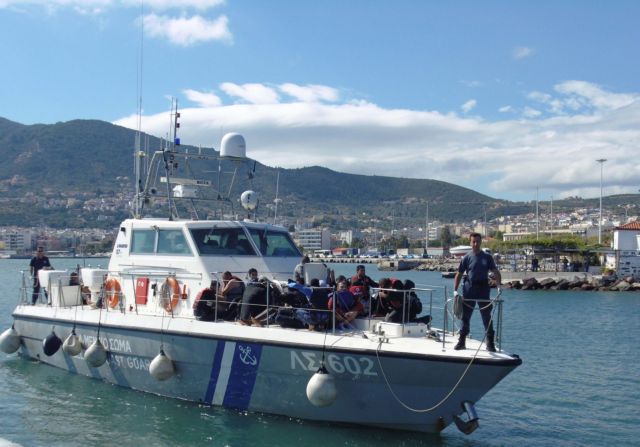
[
  {"x": 233, "y": 146},
  {"x": 249, "y": 200}
]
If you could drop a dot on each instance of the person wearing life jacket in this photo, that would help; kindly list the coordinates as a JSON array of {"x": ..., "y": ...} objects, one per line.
[
  {"x": 205, "y": 302},
  {"x": 358, "y": 293},
  {"x": 361, "y": 279}
]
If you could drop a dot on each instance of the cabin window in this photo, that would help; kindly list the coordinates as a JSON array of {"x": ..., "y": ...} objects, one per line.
[
  {"x": 164, "y": 242},
  {"x": 274, "y": 243},
  {"x": 143, "y": 241},
  {"x": 172, "y": 242},
  {"x": 222, "y": 241}
]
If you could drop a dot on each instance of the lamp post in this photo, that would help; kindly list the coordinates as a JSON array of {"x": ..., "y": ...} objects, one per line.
[{"x": 601, "y": 161}]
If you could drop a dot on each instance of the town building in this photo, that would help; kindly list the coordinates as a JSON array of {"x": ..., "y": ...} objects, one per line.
[
  {"x": 626, "y": 250},
  {"x": 313, "y": 239},
  {"x": 15, "y": 240}
]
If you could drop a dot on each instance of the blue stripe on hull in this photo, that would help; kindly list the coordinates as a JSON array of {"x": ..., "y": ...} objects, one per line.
[
  {"x": 242, "y": 379},
  {"x": 215, "y": 372}
]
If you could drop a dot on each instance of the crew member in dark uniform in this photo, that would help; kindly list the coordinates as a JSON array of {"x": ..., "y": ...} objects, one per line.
[
  {"x": 38, "y": 262},
  {"x": 477, "y": 264}
]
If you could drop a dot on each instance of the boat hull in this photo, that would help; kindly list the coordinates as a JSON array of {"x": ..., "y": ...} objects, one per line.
[{"x": 254, "y": 374}]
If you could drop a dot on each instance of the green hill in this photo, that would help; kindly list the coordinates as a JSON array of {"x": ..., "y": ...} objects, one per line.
[{"x": 49, "y": 171}]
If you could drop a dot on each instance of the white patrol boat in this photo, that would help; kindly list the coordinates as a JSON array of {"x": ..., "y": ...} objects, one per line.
[{"x": 133, "y": 324}]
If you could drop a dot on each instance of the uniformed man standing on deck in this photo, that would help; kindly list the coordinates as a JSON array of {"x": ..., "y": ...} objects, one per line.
[
  {"x": 38, "y": 262},
  {"x": 477, "y": 264}
]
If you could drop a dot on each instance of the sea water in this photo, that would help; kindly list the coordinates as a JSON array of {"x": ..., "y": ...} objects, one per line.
[{"x": 579, "y": 385}]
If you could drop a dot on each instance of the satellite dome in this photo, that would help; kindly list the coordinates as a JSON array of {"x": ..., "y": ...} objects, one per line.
[
  {"x": 249, "y": 200},
  {"x": 233, "y": 146}
]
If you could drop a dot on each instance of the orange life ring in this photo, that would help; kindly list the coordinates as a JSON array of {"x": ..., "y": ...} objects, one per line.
[
  {"x": 170, "y": 294},
  {"x": 112, "y": 292}
]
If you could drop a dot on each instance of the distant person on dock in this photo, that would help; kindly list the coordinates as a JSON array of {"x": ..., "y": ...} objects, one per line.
[
  {"x": 535, "y": 264},
  {"x": 361, "y": 279},
  {"x": 476, "y": 264},
  {"x": 38, "y": 262}
]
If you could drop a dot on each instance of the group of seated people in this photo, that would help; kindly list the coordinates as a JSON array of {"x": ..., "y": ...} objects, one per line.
[{"x": 299, "y": 305}]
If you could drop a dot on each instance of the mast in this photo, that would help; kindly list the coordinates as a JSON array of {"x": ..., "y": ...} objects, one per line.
[
  {"x": 138, "y": 154},
  {"x": 168, "y": 155},
  {"x": 276, "y": 200},
  {"x": 551, "y": 232},
  {"x": 426, "y": 232},
  {"x": 537, "y": 217}
]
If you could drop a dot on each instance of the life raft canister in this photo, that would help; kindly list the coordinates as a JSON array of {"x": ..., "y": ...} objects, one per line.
[
  {"x": 170, "y": 294},
  {"x": 112, "y": 292}
]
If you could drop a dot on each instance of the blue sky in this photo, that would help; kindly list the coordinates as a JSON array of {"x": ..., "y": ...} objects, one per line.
[{"x": 498, "y": 96}]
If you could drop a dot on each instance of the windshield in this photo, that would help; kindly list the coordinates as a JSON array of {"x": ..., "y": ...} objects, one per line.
[
  {"x": 222, "y": 241},
  {"x": 274, "y": 243}
]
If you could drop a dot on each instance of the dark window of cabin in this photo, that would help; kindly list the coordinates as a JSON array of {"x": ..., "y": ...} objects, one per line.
[
  {"x": 222, "y": 241},
  {"x": 172, "y": 242},
  {"x": 274, "y": 243}
]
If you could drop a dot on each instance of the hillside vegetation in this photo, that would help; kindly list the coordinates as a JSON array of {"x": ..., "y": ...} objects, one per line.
[{"x": 58, "y": 167}]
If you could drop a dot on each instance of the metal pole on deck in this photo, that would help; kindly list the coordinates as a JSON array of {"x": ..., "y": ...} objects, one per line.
[{"x": 601, "y": 161}]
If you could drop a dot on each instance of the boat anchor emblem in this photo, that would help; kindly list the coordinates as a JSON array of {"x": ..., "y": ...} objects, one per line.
[{"x": 246, "y": 356}]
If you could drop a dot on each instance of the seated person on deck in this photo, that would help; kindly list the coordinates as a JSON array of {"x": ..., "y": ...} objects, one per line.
[
  {"x": 347, "y": 306},
  {"x": 205, "y": 302}
]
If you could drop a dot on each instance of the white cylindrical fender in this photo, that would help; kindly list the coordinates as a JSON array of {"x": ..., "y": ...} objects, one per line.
[
  {"x": 96, "y": 355},
  {"x": 72, "y": 344},
  {"x": 321, "y": 389},
  {"x": 9, "y": 341},
  {"x": 161, "y": 367}
]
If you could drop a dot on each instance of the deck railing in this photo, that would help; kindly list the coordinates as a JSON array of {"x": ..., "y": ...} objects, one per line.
[{"x": 426, "y": 293}]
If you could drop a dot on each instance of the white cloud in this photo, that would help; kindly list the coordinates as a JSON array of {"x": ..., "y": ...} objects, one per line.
[
  {"x": 505, "y": 109},
  {"x": 187, "y": 31},
  {"x": 88, "y": 7},
  {"x": 503, "y": 158},
  {"x": 468, "y": 106},
  {"x": 253, "y": 93},
  {"x": 101, "y": 6},
  {"x": 576, "y": 96},
  {"x": 202, "y": 99},
  {"x": 522, "y": 52},
  {"x": 530, "y": 112},
  {"x": 310, "y": 93},
  {"x": 159, "y": 5},
  {"x": 594, "y": 95}
]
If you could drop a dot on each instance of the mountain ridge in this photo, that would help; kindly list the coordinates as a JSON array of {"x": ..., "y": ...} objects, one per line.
[{"x": 81, "y": 158}]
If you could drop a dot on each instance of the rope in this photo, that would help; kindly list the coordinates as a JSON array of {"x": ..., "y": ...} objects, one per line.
[{"x": 453, "y": 389}]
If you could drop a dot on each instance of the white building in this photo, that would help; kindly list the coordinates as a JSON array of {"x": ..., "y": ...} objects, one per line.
[
  {"x": 626, "y": 246},
  {"x": 313, "y": 239},
  {"x": 346, "y": 237},
  {"x": 15, "y": 240}
]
